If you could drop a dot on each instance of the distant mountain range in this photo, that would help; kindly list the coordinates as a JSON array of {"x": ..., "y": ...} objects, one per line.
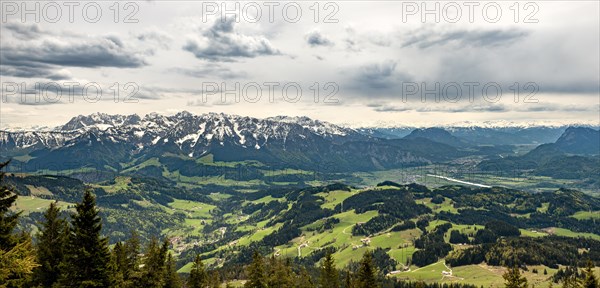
[
  {"x": 575, "y": 155},
  {"x": 438, "y": 135},
  {"x": 108, "y": 141},
  {"x": 482, "y": 135}
]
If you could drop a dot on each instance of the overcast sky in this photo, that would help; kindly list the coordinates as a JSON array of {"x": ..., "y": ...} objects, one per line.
[{"x": 367, "y": 63}]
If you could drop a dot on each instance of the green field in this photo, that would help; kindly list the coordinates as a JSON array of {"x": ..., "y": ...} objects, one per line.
[{"x": 29, "y": 204}]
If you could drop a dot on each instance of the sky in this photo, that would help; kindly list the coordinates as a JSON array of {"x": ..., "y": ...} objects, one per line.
[{"x": 354, "y": 63}]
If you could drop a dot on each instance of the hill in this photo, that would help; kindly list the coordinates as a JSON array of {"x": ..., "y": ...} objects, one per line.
[
  {"x": 579, "y": 140},
  {"x": 413, "y": 225},
  {"x": 557, "y": 160},
  {"x": 438, "y": 135}
]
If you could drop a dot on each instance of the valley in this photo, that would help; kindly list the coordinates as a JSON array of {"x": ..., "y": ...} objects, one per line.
[{"x": 425, "y": 209}]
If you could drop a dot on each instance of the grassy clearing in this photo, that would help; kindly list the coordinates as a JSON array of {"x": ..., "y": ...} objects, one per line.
[
  {"x": 122, "y": 184},
  {"x": 584, "y": 215},
  {"x": 193, "y": 209},
  {"x": 447, "y": 206},
  {"x": 569, "y": 233},
  {"x": 29, "y": 204},
  {"x": 258, "y": 235},
  {"x": 36, "y": 191},
  {"x": 194, "y": 181},
  {"x": 333, "y": 198},
  {"x": 150, "y": 162}
]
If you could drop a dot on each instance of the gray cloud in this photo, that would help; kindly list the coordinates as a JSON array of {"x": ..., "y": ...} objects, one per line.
[
  {"x": 40, "y": 71},
  {"x": 34, "y": 53},
  {"x": 154, "y": 37},
  {"x": 210, "y": 70},
  {"x": 23, "y": 31},
  {"x": 315, "y": 38},
  {"x": 222, "y": 43},
  {"x": 89, "y": 53},
  {"x": 425, "y": 38},
  {"x": 375, "y": 79},
  {"x": 439, "y": 108}
]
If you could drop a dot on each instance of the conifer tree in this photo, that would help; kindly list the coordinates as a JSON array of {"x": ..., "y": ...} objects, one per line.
[
  {"x": 513, "y": 278},
  {"x": 8, "y": 220},
  {"x": 17, "y": 257},
  {"x": 87, "y": 257},
  {"x": 590, "y": 280},
  {"x": 52, "y": 240},
  {"x": 571, "y": 279},
  {"x": 215, "y": 279},
  {"x": 119, "y": 264},
  {"x": 348, "y": 280},
  {"x": 329, "y": 277},
  {"x": 280, "y": 274},
  {"x": 366, "y": 272},
  {"x": 153, "y": 271},
  {"x": 256, "y": 272},
  {"x": 304, "y": 280},
  {"x": 131, "y": 273},
  {"x": 172, "y": 279},
  {"x": 198, "y": 276}
]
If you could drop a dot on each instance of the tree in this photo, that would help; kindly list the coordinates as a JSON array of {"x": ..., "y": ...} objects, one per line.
[
  {"x": 256, "y": 272},
  {"x": 131, "y": 274},
  {"x": 172, "y": 279},
  {"x": 513, "y": 278},
  {"x": 329, "y": 277},
  {"x": 8, "y": 220},
  {"x": 571, "y": 281},
  {"x": 17, "y": 257},
  {"x": 348, "y": 283},
  {"x": 280, "y": 274},
  {"x": 366, "y": 272},
  {"x": 304, "y": 280},
  {"x": 590, "y": 280},
  {"x": 214, "y": 280},
  {"x": 154, "y": 264},
  {"x": 119, "y": 266},
  {"x": 52, "y": 240},
  {"x": 198, "y": 275},
  {"x": 17, "y": 264},
  {"x": 87, "y": 258}
]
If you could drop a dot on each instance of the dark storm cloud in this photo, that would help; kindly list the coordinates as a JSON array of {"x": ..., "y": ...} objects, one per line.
[
  {"x": 222, "y": 43},
  {"x": 315, "y": 39}
]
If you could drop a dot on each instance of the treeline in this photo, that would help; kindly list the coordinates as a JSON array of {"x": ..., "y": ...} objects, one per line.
[
  {"x": 551, "y": 251},
  {"x": 393, "y": 205},
  {"x": 482, "y": 205},
  {"x": 274, "y": 272},
  {"x": 431, "y": 246}
]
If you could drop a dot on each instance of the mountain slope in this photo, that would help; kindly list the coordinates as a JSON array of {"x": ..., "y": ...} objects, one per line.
[
  {"x": 579, "y": 140},
  {"x": 438, "y": 135}
]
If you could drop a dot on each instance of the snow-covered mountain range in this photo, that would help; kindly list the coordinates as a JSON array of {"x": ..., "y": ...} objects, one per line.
[{"x": 184, "y": 129}]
